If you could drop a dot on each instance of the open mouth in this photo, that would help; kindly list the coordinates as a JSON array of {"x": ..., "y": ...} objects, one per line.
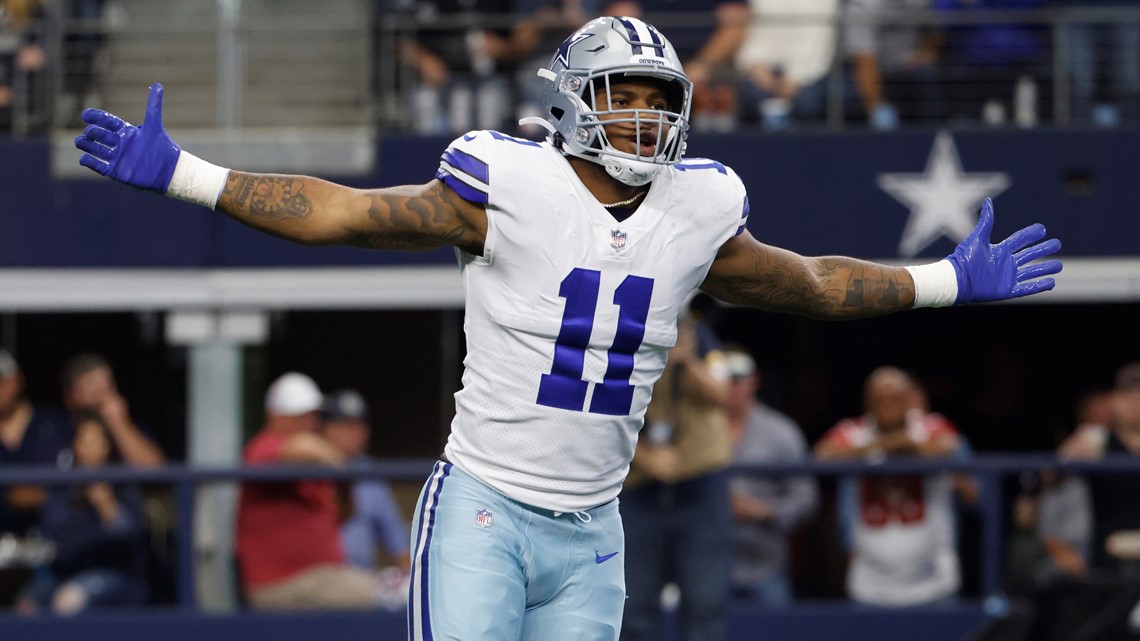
[{"x": 643, "y": 145}]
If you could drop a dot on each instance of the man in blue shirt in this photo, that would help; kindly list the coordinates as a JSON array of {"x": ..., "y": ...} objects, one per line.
[{"x": 376, "y": 522}]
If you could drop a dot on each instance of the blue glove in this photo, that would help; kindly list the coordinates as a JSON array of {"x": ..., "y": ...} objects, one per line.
[
  {"x": 988, "y": 272},
  {"x": 142, "y": 156}
]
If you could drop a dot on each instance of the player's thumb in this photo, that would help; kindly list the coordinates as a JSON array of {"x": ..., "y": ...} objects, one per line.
[
  {"x": 153, "y": 118},
  {"x": 986, "y": 218}
]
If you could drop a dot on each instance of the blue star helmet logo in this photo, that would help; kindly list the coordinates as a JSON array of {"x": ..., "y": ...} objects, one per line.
[{"x": 563, "y": 55}]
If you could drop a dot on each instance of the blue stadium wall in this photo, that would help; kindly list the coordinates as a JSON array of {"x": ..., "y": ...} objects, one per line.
[{"x": 816, "y": 194}]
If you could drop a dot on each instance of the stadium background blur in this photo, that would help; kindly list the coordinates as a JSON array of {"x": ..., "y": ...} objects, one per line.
[{"x": 197, "y": 314}]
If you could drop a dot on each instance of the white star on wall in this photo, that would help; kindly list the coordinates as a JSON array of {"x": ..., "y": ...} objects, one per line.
[{"x": 943, "y": 200}]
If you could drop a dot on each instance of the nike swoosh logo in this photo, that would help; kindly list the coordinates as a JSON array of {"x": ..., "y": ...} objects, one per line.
[
  {"x": 602, "y": 558},
  {"x": 470, "y": 137}
]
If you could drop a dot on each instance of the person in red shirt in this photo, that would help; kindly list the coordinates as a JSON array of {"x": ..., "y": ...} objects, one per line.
[{"x": 288, "y": 533}]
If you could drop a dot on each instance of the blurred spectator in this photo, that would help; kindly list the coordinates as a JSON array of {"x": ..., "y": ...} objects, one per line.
[
  {"x": 1052, "y": 518},
  {"x": 1116, "y": 517},
  {"x": 706, "y": 35},
  {"x": 376, "y": 523},
  {"x": 542, "y": 27},
  {"x": 83, "y": 41},
  {"x": 97, "y": 532},
  {"x": 1054, "y": 591},
  {"x": 995, "y": 71},
  {"x": 1103, "y": 64},
  {"x": 903, "y": 547},
  {"x": 675, "y": 500},
  {"x": 766, "y": 510},
  {"x": 22, "y": 57},
  {"x": 781, "y": 53},
  {"x": 786, "y": 54},
  {"x": 288, "y": 533},
  {"x": 29, "y": 435},
  {"x": 464, "y": 57},
  {"x": 895, "y": 64},
  {"x": 1093, "y": 417},
  {"x": 88, "y": 384}
]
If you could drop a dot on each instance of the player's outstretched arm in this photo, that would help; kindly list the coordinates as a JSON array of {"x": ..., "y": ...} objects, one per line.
[
  {"x": 299, "y": 208},
  {"x": 747, "y": 272},
  {"x": 317, "y": 212}
]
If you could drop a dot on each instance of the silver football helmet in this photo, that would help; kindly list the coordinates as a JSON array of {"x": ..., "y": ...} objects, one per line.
[{"x": 577, "y": 103}]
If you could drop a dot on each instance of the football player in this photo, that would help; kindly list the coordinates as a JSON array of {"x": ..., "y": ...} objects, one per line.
[{"x": 577, "y": 254}]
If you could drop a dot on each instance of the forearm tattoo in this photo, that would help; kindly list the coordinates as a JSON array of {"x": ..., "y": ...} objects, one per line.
[
  {"x": 268, "y": 197},
  {"x": 866, "y": 288},
  {"x": 312, "y": 211},
  {"x": 840, "y": 288}
]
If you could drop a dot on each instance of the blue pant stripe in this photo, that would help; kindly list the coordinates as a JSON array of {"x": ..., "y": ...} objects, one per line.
[{"x": 419, "y": 628}]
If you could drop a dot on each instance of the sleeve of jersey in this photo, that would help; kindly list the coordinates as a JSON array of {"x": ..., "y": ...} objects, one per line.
[
  {"x": 742, "y": 198},
  {"x": 464, "y": 167},
  {"x": 839, "y": 435},
  {"x": 938, "y": 426}
]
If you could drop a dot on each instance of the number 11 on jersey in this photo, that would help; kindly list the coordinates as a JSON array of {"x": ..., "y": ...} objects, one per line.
[{"x": 563, "y": 387}]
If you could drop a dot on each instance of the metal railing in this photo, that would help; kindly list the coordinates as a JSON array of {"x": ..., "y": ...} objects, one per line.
[{"x": 988, "y": 469}]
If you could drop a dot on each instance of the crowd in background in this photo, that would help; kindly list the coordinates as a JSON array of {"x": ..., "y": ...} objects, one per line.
[
  {"x": 696, "y": 486},
  {"x": 770, "y": 64},
  {"x": 777, "y": 64},
  {"x": 88, "y": 546}
]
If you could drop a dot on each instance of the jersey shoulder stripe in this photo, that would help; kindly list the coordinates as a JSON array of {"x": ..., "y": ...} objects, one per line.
[
  {"x": 468, "y": 162},
  {"x": 469, "y": 176},
  {"x": 743, "y": 218},
  {"x": 693, "y": 164}
]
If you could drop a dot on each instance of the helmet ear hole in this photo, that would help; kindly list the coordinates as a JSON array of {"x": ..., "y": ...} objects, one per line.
[{"x": 557, "y": 113}]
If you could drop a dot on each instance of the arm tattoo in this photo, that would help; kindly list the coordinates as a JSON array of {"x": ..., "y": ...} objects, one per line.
[
  {"x": 316, "y": 212},
  {"x": 840, "y": 288},
  {"x": 269, "y": 197},
  {"x": 867, "y": 289},
  {"x": 414, "y": 221}
]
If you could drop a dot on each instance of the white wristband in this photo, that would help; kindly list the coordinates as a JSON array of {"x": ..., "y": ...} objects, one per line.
[
  {"x": 197, "y": 181},
  {"x": 935, "y": 285}
]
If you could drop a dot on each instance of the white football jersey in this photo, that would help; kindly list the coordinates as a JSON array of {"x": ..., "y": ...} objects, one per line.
[
  {"x": 903, "y": 526},
  {"x": 571, "y": 314}
]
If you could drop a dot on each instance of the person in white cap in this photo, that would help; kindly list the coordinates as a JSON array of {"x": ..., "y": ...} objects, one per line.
[{"x": 288, "y": 533}]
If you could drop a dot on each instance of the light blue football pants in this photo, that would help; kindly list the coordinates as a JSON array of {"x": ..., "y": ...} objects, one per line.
[{"x": 488, "y": 568}]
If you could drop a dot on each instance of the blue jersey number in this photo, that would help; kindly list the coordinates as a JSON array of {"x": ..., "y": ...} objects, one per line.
[{"x": 563, "y": 387}]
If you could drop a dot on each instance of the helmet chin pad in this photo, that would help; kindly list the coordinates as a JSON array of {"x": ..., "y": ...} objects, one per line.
[{"x": 634, "y": 173}]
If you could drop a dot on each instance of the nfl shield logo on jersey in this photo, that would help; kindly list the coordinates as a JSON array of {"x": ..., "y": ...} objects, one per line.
[
  {"x": 484, "y": 517},
  {"x": 617, "y": 238}
]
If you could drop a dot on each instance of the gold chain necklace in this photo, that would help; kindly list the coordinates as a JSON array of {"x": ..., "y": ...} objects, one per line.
[{"x": 628, "y": 201}]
